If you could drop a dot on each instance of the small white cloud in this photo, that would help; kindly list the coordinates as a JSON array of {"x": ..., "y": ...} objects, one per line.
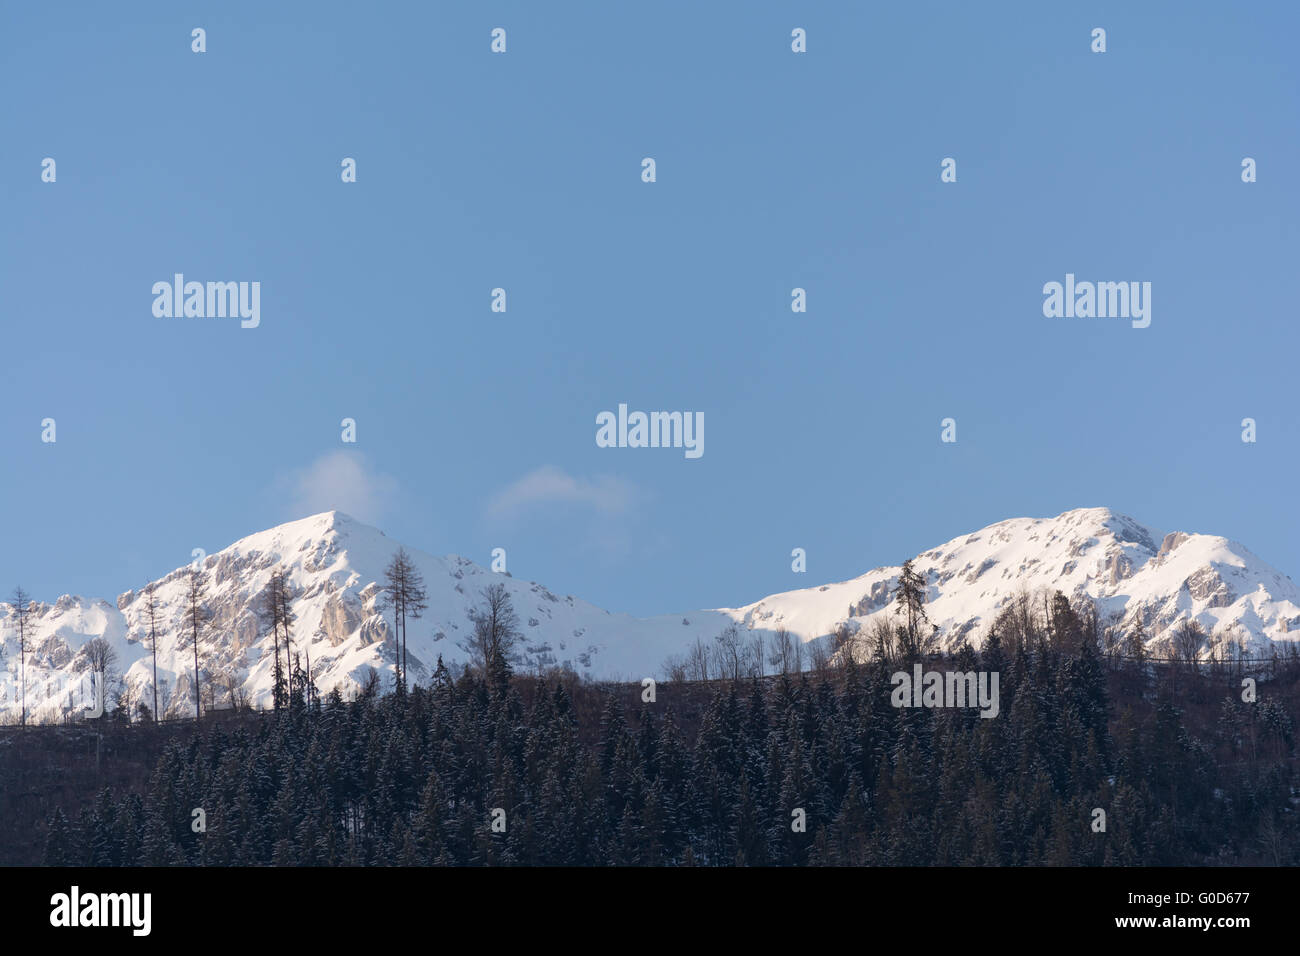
[
  {"x": 342, "y": 481},
  {"x": 550, "y": 485}
]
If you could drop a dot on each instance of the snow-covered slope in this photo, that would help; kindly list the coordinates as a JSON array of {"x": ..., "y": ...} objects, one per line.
[
  {"x": 1129, "y": 570},
  {"x": 333, "y": 563}
]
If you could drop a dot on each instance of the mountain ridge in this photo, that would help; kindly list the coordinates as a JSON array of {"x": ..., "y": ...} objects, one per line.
[{"x": 1129, "y": 570}]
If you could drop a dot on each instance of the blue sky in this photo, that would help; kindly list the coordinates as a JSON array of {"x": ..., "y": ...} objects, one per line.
[{"x": 477, "y": 170}]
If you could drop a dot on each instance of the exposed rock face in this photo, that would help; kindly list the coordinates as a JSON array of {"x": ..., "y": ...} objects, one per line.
[
  {"x": 339, "y": 618},
  {"x": 1124, "y": 528},
  {"x": 244, "y": 631},
  {"x": 52, "y": 652},
  {"x": 879, "y": 596},
  {"x": 1116, "y": 568},
  {"x": 1208, "y": 588},
  {"x": 374, "y": 630}
]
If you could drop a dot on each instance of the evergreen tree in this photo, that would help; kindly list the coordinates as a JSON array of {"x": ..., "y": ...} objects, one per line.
[
  {"x": 910, "y": 601},
  {"x": 59, "y": 841}
]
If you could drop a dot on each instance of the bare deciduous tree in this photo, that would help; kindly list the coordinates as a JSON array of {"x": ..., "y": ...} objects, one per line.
[
  {"x": 101, "y": 659},
  {"x": 730, "y": 649},
  {"x": 404, "y": 593},
  {"x": 819, "y": 655},
  {"x": 100, "y": 655},
  {"x": 698, "y": 660},
  {"x": 151, "y": 608},
  {"x": 675, "y": 668},
  {"x": 757, "y": 661},
  {"x": 197, "y": 620},
  {"x": 277, "y": 611},
  {"x": 782, "y": 656},
  {"x": 1187, "y": 640},
  {"x": 496, "y": 631},
  {"x": 22, "y": 617},
  {"x": 884, "y": 641}
]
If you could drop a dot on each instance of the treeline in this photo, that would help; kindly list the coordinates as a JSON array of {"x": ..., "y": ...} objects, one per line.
[
  {"x": 492, "y": 769},
  {"x": 1047, "y": 618}
]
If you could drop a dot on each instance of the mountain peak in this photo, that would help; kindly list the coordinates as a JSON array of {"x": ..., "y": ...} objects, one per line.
[
  {"x": 1129, "y": 571},
  {"x": 335, "y": 565},
  {"x": 295, "y": 534}
]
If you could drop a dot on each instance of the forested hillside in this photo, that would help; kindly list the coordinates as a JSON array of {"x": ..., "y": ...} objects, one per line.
[{"x": 490, "y": 768}]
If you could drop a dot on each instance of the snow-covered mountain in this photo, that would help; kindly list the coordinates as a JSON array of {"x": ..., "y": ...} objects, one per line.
[
  {"x": 1129, "y": 570},
  {"x": 334, "y": 563}
]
